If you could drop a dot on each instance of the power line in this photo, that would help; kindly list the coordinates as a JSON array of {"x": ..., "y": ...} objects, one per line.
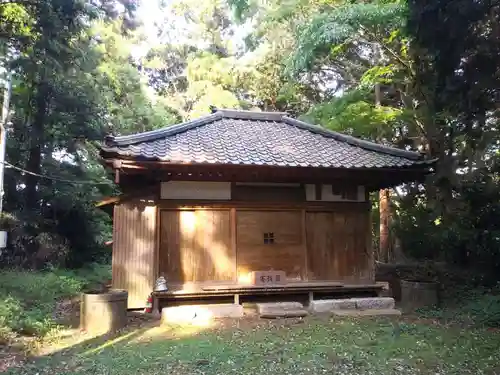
[{"x": 54, "y": 178}]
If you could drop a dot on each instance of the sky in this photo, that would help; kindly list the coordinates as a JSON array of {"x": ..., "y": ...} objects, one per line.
[{"x": 151, "y": 14}]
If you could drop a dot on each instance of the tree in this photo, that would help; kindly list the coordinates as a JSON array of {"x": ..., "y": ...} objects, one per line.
[{"x": 75, "y": 80}]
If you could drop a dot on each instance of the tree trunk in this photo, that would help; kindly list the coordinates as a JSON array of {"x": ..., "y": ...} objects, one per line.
[
  {"x": 385, "y": 213},
  {"x": 35, "y": 151}
]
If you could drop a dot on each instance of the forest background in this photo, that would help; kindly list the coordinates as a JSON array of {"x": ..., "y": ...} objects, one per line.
[{"x": 419, "y": 75}]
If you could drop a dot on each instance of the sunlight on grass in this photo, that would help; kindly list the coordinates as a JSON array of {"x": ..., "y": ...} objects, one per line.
[
  {"x": 73, "y": 337},
  {"x": 108, "y": 344},
  {"x": 173, "y": 331},
  {"x": 310, "y": 346}
]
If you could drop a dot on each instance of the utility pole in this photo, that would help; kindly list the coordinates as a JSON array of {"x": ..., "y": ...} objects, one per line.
[{"x": 3, "y": 134}]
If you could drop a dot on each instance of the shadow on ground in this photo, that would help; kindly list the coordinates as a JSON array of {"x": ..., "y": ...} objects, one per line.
[{"x": 315, "y": 345}]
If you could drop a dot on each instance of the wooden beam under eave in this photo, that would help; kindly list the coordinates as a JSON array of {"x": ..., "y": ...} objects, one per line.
[
  {"x": 373, "y": 179},
  {"x": 371, "y": 182}
]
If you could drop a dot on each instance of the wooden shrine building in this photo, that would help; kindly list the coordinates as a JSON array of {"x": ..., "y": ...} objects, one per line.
[{"x": 208, "y": 202}]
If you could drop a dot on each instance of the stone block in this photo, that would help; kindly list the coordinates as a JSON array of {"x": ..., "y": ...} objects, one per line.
[
  {"x": 278, "y": 306},
  {"x": 328, "y": 305},
  {"x": 276, "y": 313},
  {"x": 374, "y": 303},
  {"x": 194, "y": 313}
]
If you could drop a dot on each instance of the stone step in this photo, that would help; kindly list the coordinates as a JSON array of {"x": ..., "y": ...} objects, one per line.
[
  {"x": 277, "y": 313},
  {"x": 329, "y": 305},
  {"x": 279, "y": 306},
  {"x": 192, "y": 313},
  {"x": 381, "y": 303},
  {"x": 367, "y": 312},
  {"x": 281, "y": 310}
]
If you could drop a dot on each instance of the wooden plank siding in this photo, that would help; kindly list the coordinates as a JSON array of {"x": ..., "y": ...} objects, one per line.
[
  {"x": 208, "y": 244},
  {"x": 268, "y": 206},
  {"x": 195, "y": 246},
  {"x": 285, "y": 254},
  {"x": 134, "y": 250},
  {"x": 337, "y": 246}
]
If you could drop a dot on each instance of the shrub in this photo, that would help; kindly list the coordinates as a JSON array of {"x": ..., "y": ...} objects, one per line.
[
  {"x": 482, "y": 309},
  {"x": 476, "y": 306},
  {"x": 467, "y": 236},
  {"x": 28, "y": 298}
]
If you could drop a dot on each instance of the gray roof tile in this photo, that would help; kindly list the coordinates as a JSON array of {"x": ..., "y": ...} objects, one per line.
[{"x": 257, "y": 138}]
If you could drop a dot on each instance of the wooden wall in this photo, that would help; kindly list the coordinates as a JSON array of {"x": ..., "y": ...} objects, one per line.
[
  {"x": 286, "y": 253},
  {"x": 196, "y": 246},
  {"x": 338, "y": 246},
  {"x": 221, "y": 242},
  {"x": 216, "y": 244},
  {"x": 134, "y": 248}
]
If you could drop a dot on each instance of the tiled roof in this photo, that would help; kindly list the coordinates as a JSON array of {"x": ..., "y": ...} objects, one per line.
[{"x": 256, "y": 138}]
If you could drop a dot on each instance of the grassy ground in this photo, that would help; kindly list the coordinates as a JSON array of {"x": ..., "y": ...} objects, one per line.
[
  {"x": 452, "y": 340},
  {"x": 320, "y": 345},
  {"x": 28, "y": 299},
  {"x": 478, "y": 307}
]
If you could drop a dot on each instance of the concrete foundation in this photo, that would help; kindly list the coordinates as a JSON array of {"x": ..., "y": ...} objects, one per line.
[
  {"x": 327, "y": 305},
  {"x": 374, "y": 303},
  {"x": 281, "y": 310},
  {"x": 330, "y": 305},
  {"x": 278, "y": 306},
  {"x": 193, "y": 313}
]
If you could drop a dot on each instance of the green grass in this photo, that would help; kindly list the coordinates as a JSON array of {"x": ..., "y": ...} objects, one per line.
[
  {"x": 315, "y": 346},
  {"x": 28, "y": 299},
  {"x": 478, "y": 307}
]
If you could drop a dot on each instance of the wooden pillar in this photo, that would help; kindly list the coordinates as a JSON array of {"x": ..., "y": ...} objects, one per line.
[
  {"x": 305, "y": 276},
  {"x": 234, "y": 247},
  {"x": 385, "y": 214}
]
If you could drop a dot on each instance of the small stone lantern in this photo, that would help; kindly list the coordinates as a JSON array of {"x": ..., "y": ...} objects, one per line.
[{"x": 161, "y": 285}]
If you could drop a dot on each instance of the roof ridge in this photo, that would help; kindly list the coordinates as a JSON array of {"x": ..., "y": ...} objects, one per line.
[
  {"x": 152, "y": 135},
  {"x": 368, "y": 145},
  {"x": 252, "y": 115}
]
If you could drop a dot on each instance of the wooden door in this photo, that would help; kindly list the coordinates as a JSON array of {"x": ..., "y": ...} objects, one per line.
[
  {"x": 338, "y": 246},
  {"x": 270, "y": 240},
  {"x": 195, "y": 246}
]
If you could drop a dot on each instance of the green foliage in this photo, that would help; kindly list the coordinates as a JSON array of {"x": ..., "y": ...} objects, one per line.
[
  {"x": 340, "y": 27},
  {"x": 457, "y": 76},
  {"x": 479, "y": 307},
  {"x": 124, "y": 96},
  {"x": 16, "y": 20},
  {"x": 75, "y": 80},
  {"x": 355, "y": 113},
  {"x": 484, "y": 310},
  {"x": 28, "y": 299},
  {"x": 83, "y": 70},
  {"x": 469, "y": 239}
]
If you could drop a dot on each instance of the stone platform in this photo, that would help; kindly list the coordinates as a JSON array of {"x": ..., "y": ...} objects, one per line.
[
  {"x": 329, "y": 305},
  {"x": 374, "y": 306},
  {"x": 193, "y": 313}
]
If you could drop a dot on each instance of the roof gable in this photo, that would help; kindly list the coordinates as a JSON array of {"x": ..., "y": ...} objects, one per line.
[{"x": 257, "y": 138}]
